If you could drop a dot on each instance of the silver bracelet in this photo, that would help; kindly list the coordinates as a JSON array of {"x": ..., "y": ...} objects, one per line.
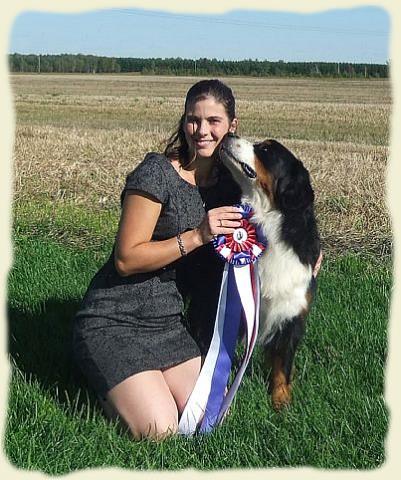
[{"x": 181, "y": 245}]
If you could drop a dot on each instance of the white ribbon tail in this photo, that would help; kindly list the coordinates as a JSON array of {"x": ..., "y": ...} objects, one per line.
[{"x": 196, "y": 404}]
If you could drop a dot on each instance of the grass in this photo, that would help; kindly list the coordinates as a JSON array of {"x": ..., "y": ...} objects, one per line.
[
  {"x": 76, "y": 139},
  {"x": 338, "y": 418}
]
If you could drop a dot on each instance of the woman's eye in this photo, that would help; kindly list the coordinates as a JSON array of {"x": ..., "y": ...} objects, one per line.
[{"x": 191, "y": 122}]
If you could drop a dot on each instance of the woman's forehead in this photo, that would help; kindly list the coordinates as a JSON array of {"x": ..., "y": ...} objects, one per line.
[{"x": 206, "y": 104}]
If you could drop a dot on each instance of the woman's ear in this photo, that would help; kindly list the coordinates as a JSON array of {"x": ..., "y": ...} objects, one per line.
[{"x": 233, "y": 125}]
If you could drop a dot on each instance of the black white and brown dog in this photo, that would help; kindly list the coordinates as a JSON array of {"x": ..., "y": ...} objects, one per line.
[{"x": 277, "y": 186}]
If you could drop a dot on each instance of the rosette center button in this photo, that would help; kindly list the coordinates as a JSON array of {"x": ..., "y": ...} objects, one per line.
[{"x": 240, "y": 235}]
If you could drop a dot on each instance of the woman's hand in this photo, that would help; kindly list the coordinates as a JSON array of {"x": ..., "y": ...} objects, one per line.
[
  {"x": 316, "y": 268},
  {"x": 219, "y": 221}
]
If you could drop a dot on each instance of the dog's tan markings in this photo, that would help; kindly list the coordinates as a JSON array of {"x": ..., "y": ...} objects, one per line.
[
  {"x": 308, "y": 298},
  {"x": 281, "y": 390},
  {"x": 265, "y": 179}
]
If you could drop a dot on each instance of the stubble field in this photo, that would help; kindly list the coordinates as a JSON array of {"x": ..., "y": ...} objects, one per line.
[{"x": 76, "y": 139}]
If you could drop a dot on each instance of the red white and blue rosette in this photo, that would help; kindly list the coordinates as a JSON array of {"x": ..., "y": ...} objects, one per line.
[
  {"x": 238, "y": 301},
  {"x": 243, "y": 246}
]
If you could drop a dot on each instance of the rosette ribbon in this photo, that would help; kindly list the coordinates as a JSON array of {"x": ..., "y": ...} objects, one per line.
[{"x": 238, "y": 301}]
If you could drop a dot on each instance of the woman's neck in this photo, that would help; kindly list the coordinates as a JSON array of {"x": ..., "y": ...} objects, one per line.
[{"x": 204, "y": 171}]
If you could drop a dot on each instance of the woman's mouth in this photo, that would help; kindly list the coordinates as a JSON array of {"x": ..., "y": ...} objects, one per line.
[{"x": 203, "y": 143}]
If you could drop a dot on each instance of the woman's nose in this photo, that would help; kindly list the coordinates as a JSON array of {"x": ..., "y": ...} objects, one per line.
[{"x": 203, "y": 128}]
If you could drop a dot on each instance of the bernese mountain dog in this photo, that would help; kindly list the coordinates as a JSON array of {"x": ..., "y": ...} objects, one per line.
[{"x": 277, "y": 186}]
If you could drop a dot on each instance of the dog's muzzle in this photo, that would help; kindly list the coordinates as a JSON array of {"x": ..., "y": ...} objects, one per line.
[{"x": 249, "y": 171}]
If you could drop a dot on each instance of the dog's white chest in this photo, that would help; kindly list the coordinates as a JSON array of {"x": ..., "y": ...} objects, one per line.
[{"x": 284, "y": 281}]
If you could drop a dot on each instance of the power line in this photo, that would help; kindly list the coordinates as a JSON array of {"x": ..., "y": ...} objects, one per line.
[{"x": 204, "y": 19}]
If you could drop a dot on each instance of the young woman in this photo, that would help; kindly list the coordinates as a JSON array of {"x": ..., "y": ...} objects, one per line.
[{"x": 129, "y": 338}]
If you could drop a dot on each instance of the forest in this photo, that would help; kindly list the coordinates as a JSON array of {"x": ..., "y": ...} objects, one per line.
[{"x": 79, "y": 63}]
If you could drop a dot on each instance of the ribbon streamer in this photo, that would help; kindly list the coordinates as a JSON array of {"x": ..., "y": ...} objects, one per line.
[{"x": 238, "y": 300}]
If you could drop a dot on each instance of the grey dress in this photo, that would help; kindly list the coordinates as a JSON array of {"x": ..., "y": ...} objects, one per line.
[{"x": 131, "y": 324}]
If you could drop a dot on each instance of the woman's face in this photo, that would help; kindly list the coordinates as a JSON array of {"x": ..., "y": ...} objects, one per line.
[{"x": 206, "y": 123}]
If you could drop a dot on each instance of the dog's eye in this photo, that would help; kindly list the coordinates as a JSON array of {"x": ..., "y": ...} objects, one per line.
[{"x": 264, "y": 146}]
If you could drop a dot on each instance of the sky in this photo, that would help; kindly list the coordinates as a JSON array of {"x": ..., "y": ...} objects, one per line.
[{"x": 358, "y": 35}]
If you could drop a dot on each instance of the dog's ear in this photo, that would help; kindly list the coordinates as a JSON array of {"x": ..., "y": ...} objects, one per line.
[{"x": 294, "y": 192}]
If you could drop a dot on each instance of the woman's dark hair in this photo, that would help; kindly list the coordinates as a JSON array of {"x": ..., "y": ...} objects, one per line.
[{"x": 177, "y": 145}]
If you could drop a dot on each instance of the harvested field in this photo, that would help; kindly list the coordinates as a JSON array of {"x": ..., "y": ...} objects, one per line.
[{"x": 78, "y": 136}]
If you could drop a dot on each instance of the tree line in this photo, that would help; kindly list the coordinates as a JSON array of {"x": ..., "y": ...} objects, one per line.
[{"x": 69, "y": 63}]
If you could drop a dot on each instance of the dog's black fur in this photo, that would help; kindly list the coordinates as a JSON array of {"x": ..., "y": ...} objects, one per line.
[{"x": 278, "y": 187}]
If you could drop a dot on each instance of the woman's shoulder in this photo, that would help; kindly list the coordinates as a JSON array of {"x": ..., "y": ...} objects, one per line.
[
  {"x": 149, "y": 176},
  {"x": 152, "y": 162},
  {"x": 155, "y": 158}
]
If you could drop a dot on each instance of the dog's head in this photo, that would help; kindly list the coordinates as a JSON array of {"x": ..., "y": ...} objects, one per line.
[{"x": 269, "y": 169}]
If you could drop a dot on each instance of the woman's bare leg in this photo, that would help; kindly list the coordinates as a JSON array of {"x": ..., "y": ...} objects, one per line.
[
  {"x": 146, "y": 404},
  {"x": 181, "y": 380}
]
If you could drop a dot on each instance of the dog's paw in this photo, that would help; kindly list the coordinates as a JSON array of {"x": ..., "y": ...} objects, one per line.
[{"x": 281, "y": 396}]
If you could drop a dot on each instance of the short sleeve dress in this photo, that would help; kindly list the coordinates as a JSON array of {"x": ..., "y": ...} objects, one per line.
[{"x": 126, "y": 325}]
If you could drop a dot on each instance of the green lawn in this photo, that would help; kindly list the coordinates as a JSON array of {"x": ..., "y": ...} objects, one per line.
[{"x": 338, "y": 418}]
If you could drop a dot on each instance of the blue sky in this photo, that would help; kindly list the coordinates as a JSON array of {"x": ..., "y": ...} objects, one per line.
[{"x": 340, "y": 35}]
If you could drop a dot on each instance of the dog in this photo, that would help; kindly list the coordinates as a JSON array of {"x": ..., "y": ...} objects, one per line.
[{"x": 277, "y": 186}]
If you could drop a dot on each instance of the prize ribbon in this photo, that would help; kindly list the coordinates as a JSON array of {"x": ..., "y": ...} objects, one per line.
[
  {"x": 239, "y": 300},
  {"x": 243, "y": 246}
]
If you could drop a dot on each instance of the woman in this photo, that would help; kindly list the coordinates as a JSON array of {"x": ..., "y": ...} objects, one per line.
[{"x": 129, "y": 339}]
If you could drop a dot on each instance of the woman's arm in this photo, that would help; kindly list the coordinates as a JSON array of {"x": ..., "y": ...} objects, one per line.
[{"x": 136, "y": 253}]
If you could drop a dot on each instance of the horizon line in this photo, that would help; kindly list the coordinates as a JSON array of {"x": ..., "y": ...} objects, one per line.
[{"x": 386, "y": 62}]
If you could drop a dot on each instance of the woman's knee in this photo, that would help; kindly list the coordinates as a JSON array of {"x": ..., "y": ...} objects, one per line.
[
  {"x": 154, "y": 426},
  {"x": 157, "y": 427}
]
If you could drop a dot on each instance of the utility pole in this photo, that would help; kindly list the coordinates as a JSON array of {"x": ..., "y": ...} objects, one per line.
[{"x": 39, "y": 63}]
